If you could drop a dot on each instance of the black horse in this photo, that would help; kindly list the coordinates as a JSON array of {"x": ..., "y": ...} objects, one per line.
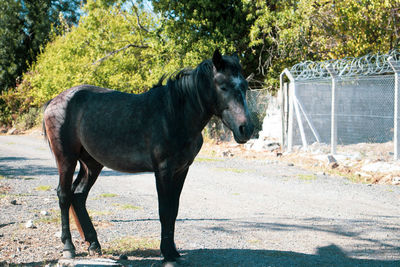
[{"x": 158, "y": 131}]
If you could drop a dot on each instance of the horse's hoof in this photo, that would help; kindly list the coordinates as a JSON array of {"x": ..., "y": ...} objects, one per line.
[
  {"x": 68, "y": 254},
  {"x": 94, "y": 252},
  {"x": 94, "y": 249}
]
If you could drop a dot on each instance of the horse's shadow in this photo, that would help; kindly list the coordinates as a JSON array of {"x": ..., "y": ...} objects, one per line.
[
  {"x": 325, "y": 256},
  {"x": 330, "y": 255}
]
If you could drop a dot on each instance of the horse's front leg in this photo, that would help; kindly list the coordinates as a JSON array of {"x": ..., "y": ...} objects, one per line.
[{"x": 169, "y": 189}]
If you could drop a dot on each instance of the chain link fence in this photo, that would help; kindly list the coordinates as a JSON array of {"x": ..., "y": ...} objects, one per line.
[{"x": 342, "y": 102}]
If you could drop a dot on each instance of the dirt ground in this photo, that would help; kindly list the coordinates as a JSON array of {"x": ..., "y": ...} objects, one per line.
[
  {"x": 238, "y": 208},
  {"x": 361, "y": 163}
]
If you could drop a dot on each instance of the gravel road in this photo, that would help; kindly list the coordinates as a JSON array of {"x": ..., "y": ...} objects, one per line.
[{"x": 233, "y": 212}]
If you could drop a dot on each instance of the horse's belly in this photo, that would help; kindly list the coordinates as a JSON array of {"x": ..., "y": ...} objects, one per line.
[
  {"x": 121, "y": 158},
  {"x": 129, "y": 166}
]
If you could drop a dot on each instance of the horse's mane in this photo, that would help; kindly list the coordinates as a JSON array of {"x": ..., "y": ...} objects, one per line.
[{"x": 186, "y": 84}]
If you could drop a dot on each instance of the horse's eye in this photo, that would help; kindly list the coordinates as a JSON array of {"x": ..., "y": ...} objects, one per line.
[{"x": 223, "y": 88}]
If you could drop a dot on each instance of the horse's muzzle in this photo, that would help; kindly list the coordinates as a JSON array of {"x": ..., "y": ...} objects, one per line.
[{"x": 244, "y": 132}]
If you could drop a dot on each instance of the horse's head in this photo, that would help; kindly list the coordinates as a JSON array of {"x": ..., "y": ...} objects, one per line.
[{"x": 231, "y": 89}]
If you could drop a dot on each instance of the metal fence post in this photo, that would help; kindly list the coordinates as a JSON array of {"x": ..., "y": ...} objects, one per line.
[
  {"x": 293, "y": 108},
  {"x": 396, "y": 68},
  {"x": 333, "y": 110},
  {"x": 284, "y": 98}
]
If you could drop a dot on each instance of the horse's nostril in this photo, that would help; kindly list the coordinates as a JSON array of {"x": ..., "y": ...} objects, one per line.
[{"x": 242, "y": 129}]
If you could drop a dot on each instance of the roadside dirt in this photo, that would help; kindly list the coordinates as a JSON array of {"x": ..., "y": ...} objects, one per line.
[
  {"x": 238, "y": 208},
  {"x": 361, "y": 163}
]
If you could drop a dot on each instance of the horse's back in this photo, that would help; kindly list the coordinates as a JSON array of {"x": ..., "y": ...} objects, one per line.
[{"x": 112, "y": 126}]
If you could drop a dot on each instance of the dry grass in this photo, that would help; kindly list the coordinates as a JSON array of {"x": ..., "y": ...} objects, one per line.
[{"x": 133, "y": 246}]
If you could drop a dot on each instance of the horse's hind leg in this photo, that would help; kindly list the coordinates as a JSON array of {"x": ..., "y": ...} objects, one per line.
[
  {"x": 90, "y": 170},
  {"x": 66, "y": 168}
]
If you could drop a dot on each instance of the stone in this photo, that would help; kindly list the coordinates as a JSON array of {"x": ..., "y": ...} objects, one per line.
[
  {"x": 333, "y": 165},
  {"x": 331, "y": 159},
  {"x": 382, "y": 167},
  {"x": 227, "y": 153},
  {"x": 362, "y": 174},
  {"x": 57, "y": 234},
  {"x": 12, "y": 131},
  {"x": 332, "y": 162},
  {"x": 44, "y": 213},
  {"x": 396, "y": 180},
  {"x": 13, "y": 202},
  {"x": 29, "y": 224}
]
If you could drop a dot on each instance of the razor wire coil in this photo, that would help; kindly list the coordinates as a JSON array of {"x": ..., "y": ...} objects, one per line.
[{"x": 371, "y": 64}]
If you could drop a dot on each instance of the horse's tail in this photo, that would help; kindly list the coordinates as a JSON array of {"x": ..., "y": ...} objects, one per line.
[
  {"x": 72, "y": 213},
  {"x": 43, "y": 123},
  {"x": 71, "y": 209}
]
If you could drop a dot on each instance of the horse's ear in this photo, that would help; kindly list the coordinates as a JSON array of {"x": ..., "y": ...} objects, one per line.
[
  {"x": 235, "y": 56},
  {"x": 217, "y": 60}
]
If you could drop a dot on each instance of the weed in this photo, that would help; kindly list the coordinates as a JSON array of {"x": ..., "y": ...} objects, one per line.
[
  {"x": 2, "y": 177},
  {"x": 98, "y": 212},
  {"x": 200, "y": 159},
  {"x": 254, "y": 241},
  {"x": 29, "y": 119},
  {"x": 108, "y": 195},
  {"x": 105, "y": 195},
  {"x": 43, "y": 188},
  {"x": 133, "y": 246},
  {"x": 127, "y": 206},
  {"x": 49, "y": 219},
  {"x": 307, "y": 177},
  {"x": 54, "y": 217},
  {"x": 231, "y": 170},
  {"x": 350, "y": 176}
]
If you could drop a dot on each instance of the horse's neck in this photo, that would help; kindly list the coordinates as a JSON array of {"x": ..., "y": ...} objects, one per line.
[
  {"x": 196, "y": 118},
  {"x": 192, "y": 116}
]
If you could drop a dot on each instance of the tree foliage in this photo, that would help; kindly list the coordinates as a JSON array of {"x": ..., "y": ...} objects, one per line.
[
  {"x": 355, "y": 28},
  {"x": 111, "y": 47},
  {"x": 287, "y": 32},
  {"x": 126, "y": 46},
  {"x": 199, "y": 26},
  {"x": 24, "y": 28}
]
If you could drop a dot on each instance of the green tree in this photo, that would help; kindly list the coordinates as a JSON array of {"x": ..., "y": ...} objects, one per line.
[
  {"x": 24, "y": 28},
  {"x": 354, "y": 27},
  {"x": 112, "y": 46},
  {"x": 287, "y": 32},
  {"x": 197, "y": 27},
  {"x": 11, "y": 40}
]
